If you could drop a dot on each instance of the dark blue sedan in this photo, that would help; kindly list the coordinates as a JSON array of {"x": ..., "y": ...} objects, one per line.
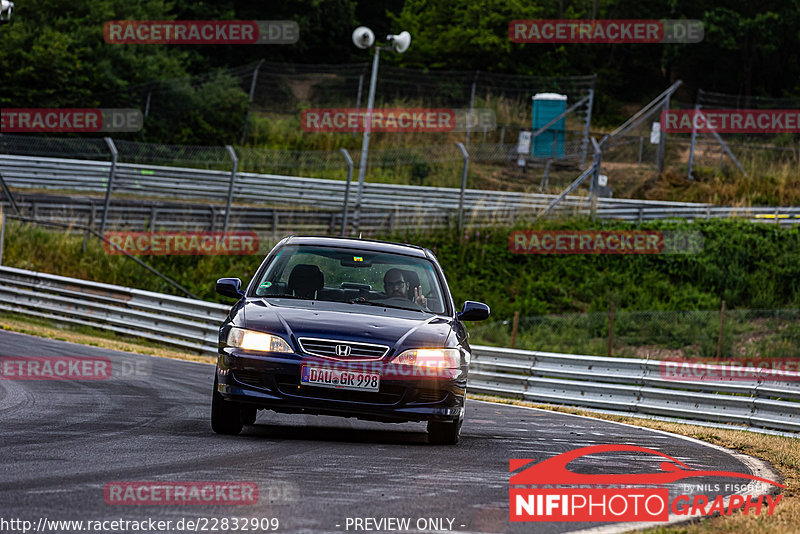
[{"x": 345, "y": 327}]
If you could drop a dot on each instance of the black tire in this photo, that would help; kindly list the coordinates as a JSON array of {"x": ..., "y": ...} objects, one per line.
[
  {"x": 444, "y": 432},
  {"x": 226, "y": 416},
  {"x": 249, "y": 414}
]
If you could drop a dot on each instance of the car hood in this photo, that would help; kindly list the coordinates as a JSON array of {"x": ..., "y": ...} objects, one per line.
[{"x": 399, "y": 329}]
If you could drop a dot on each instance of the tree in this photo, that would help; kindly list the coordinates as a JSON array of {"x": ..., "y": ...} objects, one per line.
[{"x": 54, "y": 54}]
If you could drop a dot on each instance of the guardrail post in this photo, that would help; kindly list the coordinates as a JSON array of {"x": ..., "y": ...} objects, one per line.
[
  {"x": 232, "y": 154},
  {"x": 463, "y": 184},
  {"x": 349, "y": 161},
  {"x": 111, "y": 175}
]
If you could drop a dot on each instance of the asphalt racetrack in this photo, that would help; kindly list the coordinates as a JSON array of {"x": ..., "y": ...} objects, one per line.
[{"x": 63, "y": 441}]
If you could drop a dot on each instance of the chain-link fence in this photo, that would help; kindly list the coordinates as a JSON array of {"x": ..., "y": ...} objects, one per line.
[
  {"x": 748, "y": 148},
  {"x": 278, "y": 92},
  {"x": 55, "y": 147},
  {"x": 640, "y": 145},
  {"x": 738, "y": 333}
]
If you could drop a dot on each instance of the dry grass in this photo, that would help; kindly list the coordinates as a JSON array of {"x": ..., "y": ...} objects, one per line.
[
  {"x": 782, "y": 452},
  {"x": 770, "y": 184}
]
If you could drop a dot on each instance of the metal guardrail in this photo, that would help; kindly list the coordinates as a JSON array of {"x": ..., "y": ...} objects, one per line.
[
  {"x": 483, "y": 206},
  {"x": 621, "y": 384},
  {"x": 633, "y": 385},
  {"x": 88, "y": 175},
  {"x": 272, "y": 223},
  {"x": 157, "y": 317}
]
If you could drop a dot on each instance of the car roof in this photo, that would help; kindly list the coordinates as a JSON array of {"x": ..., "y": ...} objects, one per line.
[{"x": 361, "y": 244}]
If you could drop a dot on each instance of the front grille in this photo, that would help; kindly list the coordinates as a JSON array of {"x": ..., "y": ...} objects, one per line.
[
  {"x": 430, "y": 395},
  {"x": 252, "y": 378},
  {"x": 326, "y": 348},
  {"x": 388, "y": 394}
]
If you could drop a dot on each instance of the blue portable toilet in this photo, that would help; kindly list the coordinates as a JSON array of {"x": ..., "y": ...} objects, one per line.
[{"x": 550, "y": 143}]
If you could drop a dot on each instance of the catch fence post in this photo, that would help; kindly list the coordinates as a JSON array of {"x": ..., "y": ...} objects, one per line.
[
  {"x": 514, "y": 326},
  {"x": 235, "y": 166},
  {"x": 250, "y": 101},
  {"x": 471, "y": 105},
  {"x": 2, "y": 232},
  {"x": 111, "y": 175},
  {"x": 662, "y": 142},
  {"x": 463, "y": 185},
  {"x": 721, "y": 329},
  {"x": 610, "y": 328},
  {"x": 349, "y": 161}
]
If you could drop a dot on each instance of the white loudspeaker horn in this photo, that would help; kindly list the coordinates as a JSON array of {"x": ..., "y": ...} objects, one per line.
[
  {"x": 363, "y": 37},
  {"x": 400, "y": 42}
]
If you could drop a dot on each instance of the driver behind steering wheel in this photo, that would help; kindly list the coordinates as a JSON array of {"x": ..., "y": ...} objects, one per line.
[{"x": 395, "y": 285}]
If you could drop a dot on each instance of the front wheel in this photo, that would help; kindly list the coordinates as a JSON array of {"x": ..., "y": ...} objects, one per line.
[
  {"x": 249, "y": 415},
  {"x": 226, "y": 416},
  {"x": 444, "y": 433}
]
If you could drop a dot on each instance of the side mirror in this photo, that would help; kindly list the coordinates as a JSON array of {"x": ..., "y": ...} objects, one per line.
[
  {"x": 230, "y": 287},
  {"x": 474, "y": 311}
]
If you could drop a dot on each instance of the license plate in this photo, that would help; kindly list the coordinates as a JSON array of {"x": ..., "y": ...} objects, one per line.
[{"x": 327, "y": 377}]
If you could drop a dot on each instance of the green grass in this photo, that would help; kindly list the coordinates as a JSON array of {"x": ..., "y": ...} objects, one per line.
[{"x": 751, "y": 266}]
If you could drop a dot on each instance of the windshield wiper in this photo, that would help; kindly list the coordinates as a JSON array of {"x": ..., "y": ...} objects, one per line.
[{"x": 371, "y": 303}]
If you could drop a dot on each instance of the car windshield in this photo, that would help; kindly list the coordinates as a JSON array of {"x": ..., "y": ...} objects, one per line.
[{"x": 353, "y": 276}]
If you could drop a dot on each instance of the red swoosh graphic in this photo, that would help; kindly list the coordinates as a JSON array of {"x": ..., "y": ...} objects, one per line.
[{"x": 554, "y": 470}]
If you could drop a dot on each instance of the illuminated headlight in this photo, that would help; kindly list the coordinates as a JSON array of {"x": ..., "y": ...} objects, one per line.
[
  {"x": 441, "y": 358},
  {"x": 252, "y": 340}
]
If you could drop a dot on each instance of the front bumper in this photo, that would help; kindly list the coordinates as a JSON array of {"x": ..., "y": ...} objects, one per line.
[{"x": 272, "y": 381}]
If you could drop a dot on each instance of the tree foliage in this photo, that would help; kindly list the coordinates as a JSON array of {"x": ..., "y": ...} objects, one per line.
[{"x": 53, "y": 53}]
